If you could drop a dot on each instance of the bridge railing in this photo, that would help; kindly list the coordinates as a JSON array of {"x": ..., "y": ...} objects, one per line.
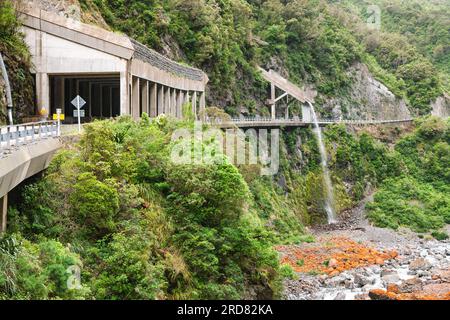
[
  {"x": 25, "y": 133},
  {"x": 295, "y": 120}
]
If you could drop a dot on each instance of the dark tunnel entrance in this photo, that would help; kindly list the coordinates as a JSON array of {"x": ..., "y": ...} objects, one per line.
[{"x": 101, "y": 93}]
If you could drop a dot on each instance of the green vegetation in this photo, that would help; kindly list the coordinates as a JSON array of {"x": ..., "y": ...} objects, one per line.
[
  {"x": 412, "y": 47},
  {"x": 17, "y": 60},
  {"x": 423, "y": 23},
  {"x": 418, "y": 197},
  {"x": 139, "y": 226}
]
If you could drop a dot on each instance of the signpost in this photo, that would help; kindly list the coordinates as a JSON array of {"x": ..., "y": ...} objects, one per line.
[
  {"x": 79, "y": 102},
  {"x": 59, "y": 116}
]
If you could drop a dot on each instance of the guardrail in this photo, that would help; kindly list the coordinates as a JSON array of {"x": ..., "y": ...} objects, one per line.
[{"x": 25, "y": 133}]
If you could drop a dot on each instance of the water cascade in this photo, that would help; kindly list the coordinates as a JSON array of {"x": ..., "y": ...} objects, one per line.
[{"x": 329, "y": 201}]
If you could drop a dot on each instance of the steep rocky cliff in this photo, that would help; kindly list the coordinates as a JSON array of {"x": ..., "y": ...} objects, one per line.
[
  {"x": 367, "y": 99},
  {"x": 441, "y": 107}
]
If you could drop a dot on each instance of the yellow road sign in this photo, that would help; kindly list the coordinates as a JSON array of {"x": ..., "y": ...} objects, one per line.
[{"x": 61, "y": 116}]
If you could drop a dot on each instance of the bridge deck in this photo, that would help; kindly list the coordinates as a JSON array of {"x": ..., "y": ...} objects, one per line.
[{"x": 274, "y": 123}]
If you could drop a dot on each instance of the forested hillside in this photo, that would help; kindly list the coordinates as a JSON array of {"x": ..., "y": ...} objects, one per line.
[
  {"x": 17, "y": 59},
  {"x": 310, "y": 42}
]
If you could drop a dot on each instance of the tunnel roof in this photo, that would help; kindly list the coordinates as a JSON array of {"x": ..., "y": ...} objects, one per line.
[{"x": 156, "y": 59}]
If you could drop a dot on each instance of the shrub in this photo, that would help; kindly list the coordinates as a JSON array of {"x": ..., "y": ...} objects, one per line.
[{"x": 94, "y": 203}]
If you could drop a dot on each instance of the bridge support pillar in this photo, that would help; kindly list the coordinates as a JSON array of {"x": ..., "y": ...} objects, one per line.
[
  {"x": 153, "y": 100},
  {"x": 43, "y": 93},
  {"x": 173, "y": 103},
  {"x": 272, "y": 101},
  {"x": 167, "y": 101},
  {"x": 3, "y": 212},
  {"x": 194, "y": 104},
  {"x": 145, "y": 97},
  {"x": 187, "y": 97},
  {"x": 180, "y": 99},
  {"x": 124, "y": 97},
  {"x": 202, "y": 105},
  {"x": 135, "y": 98},
  {"x": 160, "y": 99}
]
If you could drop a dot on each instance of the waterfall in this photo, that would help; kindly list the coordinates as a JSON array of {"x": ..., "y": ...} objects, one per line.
[{"x": 329, "y": 201}]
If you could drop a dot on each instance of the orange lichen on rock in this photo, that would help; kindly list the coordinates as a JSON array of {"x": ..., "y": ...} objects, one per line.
[
  {"x": 379, "y": 294},
  {"x": 332, "y": 256}
]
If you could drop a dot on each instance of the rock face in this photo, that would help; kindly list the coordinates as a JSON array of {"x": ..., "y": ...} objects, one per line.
[
  {"x": 441, "y": 107},
  {"x": 70, "y": 9},
  {"x": 368, "y": 98},
  {"x": 67, "y": 8}
]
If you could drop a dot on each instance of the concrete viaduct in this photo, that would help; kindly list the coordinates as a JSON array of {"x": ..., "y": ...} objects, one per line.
[{"x": 113, "y": 73}]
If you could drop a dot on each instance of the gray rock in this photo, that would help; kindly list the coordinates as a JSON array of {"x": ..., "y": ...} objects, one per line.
[
  {"x": 387, "y": 272},
  {"x": 422, "y": 273},
  {"x": 394, "y": 278},
  {"x": 419, "y": 264},
  {"x": 411, "y": 285},
  {"x": 376, "y": 269},
  {"x": 362, "y": 280},
  {"x": 424, "y": 253},
  {"x": 340, "y": 296},
  {"x": 335, "y": 281},
  {"x": 349, "y": 284}
]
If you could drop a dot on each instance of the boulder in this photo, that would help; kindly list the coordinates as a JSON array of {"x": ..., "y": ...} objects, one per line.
[
  {"x": 361, "y": 280},
  {"x": 340, "y": 296},
  {"x": 411, "y": 285},
  {"x": 393, "y": 278},
  {"x": 379, "y": 294},
  {"x": 419, "y": 264}
]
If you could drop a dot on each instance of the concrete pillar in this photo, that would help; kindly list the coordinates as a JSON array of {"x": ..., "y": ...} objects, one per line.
[
  {"x": 153, "y": 100},
  {"x": 202, "y": 103},
  {"x": 272, "y": 101},
  {"x": 3, "y": 212},
  {"x": 135, "y": 97},
  {"x": 43, "y": 93},
  {"x": 124, "y": 97},
  {"x": 145, "y": 97},
  {"x": 173, "y": 98},
  {"x": 180, "y": 104},
  {"x": 194, "y": 104},
  {"x": 160, "y": 99},
  {"x": 167, "y": 100}
]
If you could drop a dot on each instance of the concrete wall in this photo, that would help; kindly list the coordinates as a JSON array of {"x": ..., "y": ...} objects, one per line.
[
  {"x": 52, "y": 55},
  {"x": 25, "y": 162}
]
